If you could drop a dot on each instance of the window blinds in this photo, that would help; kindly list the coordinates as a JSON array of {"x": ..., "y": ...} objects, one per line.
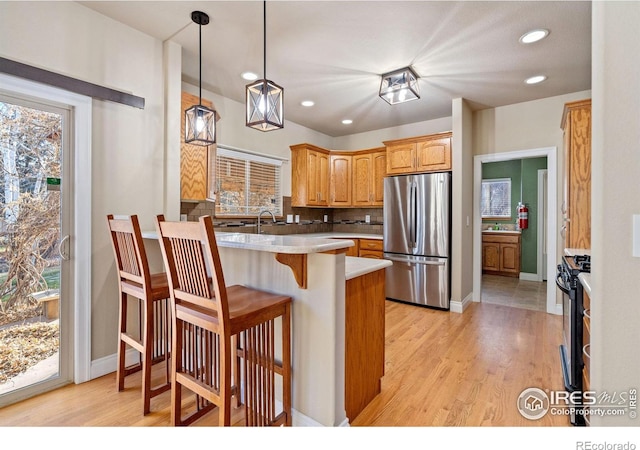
[
  {"x": 247, "y": 183},
  {"x": 496, "y": 198}
]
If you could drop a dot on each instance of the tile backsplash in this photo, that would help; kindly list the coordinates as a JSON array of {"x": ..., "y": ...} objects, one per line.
[{"x": 347, "y": 220}]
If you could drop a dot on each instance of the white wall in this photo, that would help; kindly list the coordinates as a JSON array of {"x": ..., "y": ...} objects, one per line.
[
  {"x": 615, "y": 310},
  {"x": 127, "y": 143}
]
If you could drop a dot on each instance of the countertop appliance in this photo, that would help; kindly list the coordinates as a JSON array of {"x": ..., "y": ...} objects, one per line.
[
  {"x": 573, "y": 310},
  {"x": 416, "y": 232}
]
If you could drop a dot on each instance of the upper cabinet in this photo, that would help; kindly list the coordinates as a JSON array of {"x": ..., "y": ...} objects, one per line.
[
  {"x": 197, "y": 179},
  {"x": 320, "y": 177},
  {"x": 420, "y": 154},
  {"x": 576, "y": 207},
  {"x": 340, "y": 183},
  {"x": 309, "y": 175},
  {"x": 369, "y": 170}
]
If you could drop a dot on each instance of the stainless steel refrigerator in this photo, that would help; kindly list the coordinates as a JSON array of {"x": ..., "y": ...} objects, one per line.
[{"x": 417, "y": 230}]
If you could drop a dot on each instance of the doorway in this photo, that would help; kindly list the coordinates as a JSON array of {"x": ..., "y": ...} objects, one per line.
[
  {"x": 47, "y": 168},
  {"x": 551, "y": 228}
]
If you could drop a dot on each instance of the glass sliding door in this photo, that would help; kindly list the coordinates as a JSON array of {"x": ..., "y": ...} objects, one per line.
[{"x": 35, "y": 294}]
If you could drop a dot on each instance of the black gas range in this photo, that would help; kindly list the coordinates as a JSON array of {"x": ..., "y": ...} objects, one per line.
[{"x": 572, "y": 308}]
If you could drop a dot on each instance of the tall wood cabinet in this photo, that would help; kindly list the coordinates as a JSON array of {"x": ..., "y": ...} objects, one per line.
[
  {"x": 369, "y": 170},
  {"x": 576, "y": 207},
  {"x": 197, "y": 163},
  {"x": 419, "y": 154},
  {"x": 309, "y": 175},
  {"x": 340, "y": 184}
]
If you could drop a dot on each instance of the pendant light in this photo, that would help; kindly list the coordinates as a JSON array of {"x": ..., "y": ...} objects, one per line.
[
  {"x": 265, "y": 99},
  {"x": 200, "y": 121}
]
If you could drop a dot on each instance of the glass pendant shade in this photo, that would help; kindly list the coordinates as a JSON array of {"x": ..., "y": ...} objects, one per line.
[
  {"x": 399, "y": 86},
  {"x": 200, "y": 125},
  {"x": 265, "y": 103}
]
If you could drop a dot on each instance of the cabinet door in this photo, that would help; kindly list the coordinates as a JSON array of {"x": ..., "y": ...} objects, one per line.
[
  {"x": 317, "y": 178},
  {"x": 194, "y": 159},
  {"x": 362, "y": 180},
  {"x": 434, "y": 155},
  {"x": 579, "y": 183},
  {"x": 490, "y": 256},
  {"x": 401, "y": 158},
  {"x": 340, "y": 186},
  {"x": 510, "y": 258},
  {"x": 373, "y": 254},
  {"x": 379, "y": 172}
]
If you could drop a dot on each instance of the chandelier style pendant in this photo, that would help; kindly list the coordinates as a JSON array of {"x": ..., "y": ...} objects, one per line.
[
  {"x": 265, "y": 99},
  {"x": 200, "y": 121}
]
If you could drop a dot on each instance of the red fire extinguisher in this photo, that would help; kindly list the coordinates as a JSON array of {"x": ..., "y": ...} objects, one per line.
[{"x": 523, "y": 216}]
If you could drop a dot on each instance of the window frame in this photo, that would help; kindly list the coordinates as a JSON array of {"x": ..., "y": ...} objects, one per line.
[
  {"x": 496, "y": 180},
  {"x": 248, "y": 157}
]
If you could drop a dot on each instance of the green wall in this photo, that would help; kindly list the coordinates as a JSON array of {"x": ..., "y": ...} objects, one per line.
[{"x": 523, "y": 171}]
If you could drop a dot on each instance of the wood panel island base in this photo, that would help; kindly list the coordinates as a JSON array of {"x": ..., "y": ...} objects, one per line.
[{"x": 332, "y": 319}]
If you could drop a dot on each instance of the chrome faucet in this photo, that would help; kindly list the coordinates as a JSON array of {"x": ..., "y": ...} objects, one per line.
[{"x": 260, "y": 215}]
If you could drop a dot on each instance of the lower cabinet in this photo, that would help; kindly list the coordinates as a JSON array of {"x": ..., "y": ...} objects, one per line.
[
  {"x": 501, "y": 254},
  {"x": 364, "y": 340},
  {"x": 370, "y": 248}
]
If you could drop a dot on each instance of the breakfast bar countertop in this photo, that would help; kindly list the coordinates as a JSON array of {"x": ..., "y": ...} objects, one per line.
[
  {"x": 355, "y": 267},
  {"x": 288, "y": 244}
]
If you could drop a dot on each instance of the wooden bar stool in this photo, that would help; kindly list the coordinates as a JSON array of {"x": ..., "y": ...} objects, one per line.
[
  {"x": 154, "y": 322},
  {"x": 216, "y": 326}
]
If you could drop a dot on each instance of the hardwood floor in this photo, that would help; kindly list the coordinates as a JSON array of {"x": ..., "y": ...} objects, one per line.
[{"x": 441, "y": 369}]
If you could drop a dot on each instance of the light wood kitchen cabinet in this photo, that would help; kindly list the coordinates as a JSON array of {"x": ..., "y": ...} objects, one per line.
[
  {"x": 370, "y": 248},
  {"x": 419, "y": 154},
  {"x": 576, "y": 207},
  {"x": 501, "y": 254},
  {"x": 320, "y": 177},
  {"x": 197, "y": 180},
  {"x": 364, "y": 340},
  {"x": 352, "y": 251},
  {"x": 340, "y": 184},
  {"x": 369, "y": 170},
  {"x": 309, "y": 175}
]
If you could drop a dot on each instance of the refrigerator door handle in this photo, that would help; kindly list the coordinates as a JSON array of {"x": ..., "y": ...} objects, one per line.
[
  {"x": 412, "y": 217},
  {"x": 413, "y": 261}
]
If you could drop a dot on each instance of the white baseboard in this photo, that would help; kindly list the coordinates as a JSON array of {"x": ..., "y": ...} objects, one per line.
[
  {"x": 459, "y": 307},
  {"x": 529, "y": 276},
  {"x": 559, "y": 311}
]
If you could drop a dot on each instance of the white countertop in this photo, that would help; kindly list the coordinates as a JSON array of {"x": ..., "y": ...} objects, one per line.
[
  {"x": 577, "y": 251},
  {"x": 503, "y": 231},
  {"x": 354, "y": 267},
  {"x": 290, "y": 244},
  {"x": 585, "y": 280},
  {"x": 339, "y": 235}
]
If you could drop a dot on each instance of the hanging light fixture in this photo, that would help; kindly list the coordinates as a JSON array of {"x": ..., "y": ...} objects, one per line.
[
  {"x": 399, "y": 86},
  {"x": 200, "y": 121},
  {"x": 265, "y": 99}
]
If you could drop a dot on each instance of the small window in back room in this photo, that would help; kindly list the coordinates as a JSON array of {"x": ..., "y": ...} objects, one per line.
[{"x": 495, "y": 202}]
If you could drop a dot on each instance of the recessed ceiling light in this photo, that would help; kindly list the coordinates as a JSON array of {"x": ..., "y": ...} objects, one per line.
[
  {"x": 307, "y": 103},
  {"x": 534, "y": 36},
  {"x": 347, "y": 121},
  {"x": 535, "y": 80},
  {"x": 249, "y": 76}
]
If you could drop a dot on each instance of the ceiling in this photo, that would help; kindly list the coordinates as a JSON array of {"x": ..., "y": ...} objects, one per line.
[{"x": 333, "y": 52}]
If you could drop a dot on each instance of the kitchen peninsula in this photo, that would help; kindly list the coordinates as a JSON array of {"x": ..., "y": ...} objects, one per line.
[{"x": 314, "y": 272}]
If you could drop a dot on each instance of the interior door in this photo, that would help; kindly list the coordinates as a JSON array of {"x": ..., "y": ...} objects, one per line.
[{"x": 35, "y": 291}]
